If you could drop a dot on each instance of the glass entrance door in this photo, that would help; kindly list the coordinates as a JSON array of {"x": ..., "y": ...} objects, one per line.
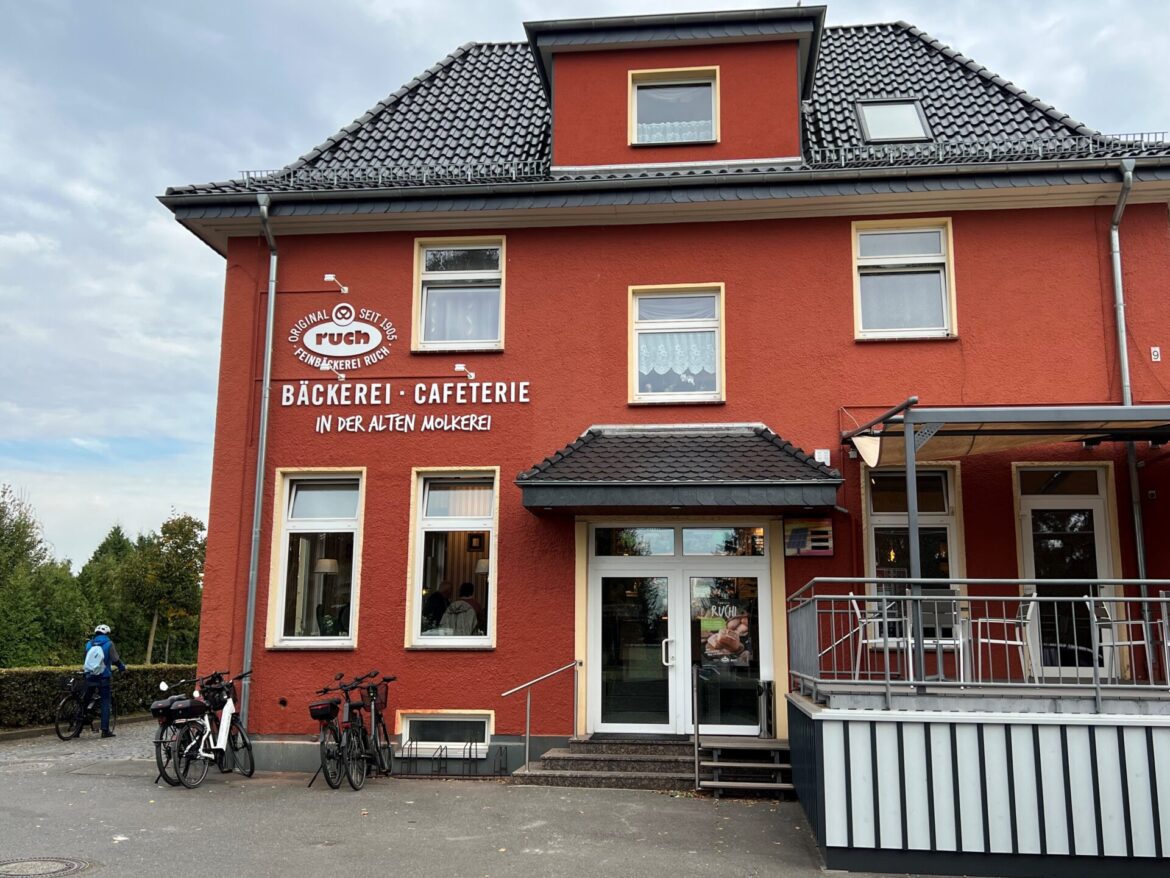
[
  {"x": 725, "y": 643},
  {"x": 637, "y": 686}
]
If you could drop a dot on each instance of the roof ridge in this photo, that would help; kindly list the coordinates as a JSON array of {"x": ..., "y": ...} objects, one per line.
[
  {"x": 995, "y": 79},
  {"x": 348, "y": 131}
]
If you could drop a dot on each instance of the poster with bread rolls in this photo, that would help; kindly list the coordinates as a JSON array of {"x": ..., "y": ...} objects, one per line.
[{"x": 724, "y": 613}]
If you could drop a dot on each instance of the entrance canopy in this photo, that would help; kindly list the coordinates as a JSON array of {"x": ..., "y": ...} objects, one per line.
[
  {"x": 948, "y": 433},
  {"x": 728, "y": 468}
]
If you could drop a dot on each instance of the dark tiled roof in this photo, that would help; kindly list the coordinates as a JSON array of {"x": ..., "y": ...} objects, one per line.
[
  {"x": 736, "y": 454},
  {"x": 481, "y": 116}
]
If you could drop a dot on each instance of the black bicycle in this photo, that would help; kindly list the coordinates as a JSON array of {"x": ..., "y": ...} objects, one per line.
[
  {"x": 205, "y": 736},
  {"x": 164, "y": 712},
  {"x": 333, "y": 716},
  {"x": 80, "y": 707},
  {"x": 364, "y": 750}
]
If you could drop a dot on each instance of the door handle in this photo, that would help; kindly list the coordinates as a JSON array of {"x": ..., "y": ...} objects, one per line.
[{"x": 666, "y": 663}]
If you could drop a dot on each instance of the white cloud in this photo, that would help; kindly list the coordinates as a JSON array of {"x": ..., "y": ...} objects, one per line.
[{"x": 25, "y": 243}]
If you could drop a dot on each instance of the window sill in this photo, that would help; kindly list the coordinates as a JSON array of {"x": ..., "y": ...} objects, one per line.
[
  {"x": 944, "y": 336},
  {"x": 347, "y": 645},
  {"x": 668, "y": 143},
  {"x": 448, "y": 647},
  {"x": 498, "y": 349},
  {"x": 653, "y": 402}
]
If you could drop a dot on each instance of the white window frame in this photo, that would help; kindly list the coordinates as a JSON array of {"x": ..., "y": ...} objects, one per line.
[
  {"x": 871, "y": 265},
  {"x": 716, "y": 324},
  {"x": 425, "y": 280},
  {"x": 421, "y": 524},
  {"x": 909, "y": 102},
  {"x": 951, "y": 520},
  {"x": 673, "y": 76},
  {"x": 287, "y": 526},
  {"x": 455, "y": 750}
]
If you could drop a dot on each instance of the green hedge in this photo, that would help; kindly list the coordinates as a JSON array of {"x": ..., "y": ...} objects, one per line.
[{"x": 29, "y": 696}]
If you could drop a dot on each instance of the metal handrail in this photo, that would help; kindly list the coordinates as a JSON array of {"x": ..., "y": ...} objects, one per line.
[{"x": 575, "y": 664}]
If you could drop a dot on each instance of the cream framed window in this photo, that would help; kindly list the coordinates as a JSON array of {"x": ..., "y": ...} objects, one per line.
[
  {"x": 677, "y": 349},
  {"x": 452, "y": 587},
  {"x": 903, "y": 279},
  {"x": 674, "y": 106},
  {"x": 317, "y": 561},
  {"x": 456, "y": 734},
  {"x": 459, "y": 294}
]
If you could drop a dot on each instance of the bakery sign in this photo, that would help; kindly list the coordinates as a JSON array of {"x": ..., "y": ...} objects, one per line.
[{"x": 342, "y": 340}]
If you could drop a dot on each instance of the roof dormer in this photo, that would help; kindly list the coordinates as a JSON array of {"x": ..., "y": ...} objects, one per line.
[{"x": 715, "y": 88}]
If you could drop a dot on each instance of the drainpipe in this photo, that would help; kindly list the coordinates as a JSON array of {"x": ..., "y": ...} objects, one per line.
[
  {"x": 261, "y": 449},
  {"x": 1127, "y": 167}
]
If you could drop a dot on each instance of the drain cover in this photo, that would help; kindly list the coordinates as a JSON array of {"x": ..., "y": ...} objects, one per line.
[{"x": 42, "y": 866}]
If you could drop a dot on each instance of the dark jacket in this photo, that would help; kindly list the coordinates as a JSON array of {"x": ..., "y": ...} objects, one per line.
[{"x": 111, "y": 651}]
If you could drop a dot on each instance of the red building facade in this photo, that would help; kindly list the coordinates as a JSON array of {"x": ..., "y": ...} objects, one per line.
[{"x": 533, "y": 416}]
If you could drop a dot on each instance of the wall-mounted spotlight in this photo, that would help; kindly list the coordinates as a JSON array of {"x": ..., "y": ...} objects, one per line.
[
  {"x": 462, "y": 367},
  {"x": 332, "y": 278}
]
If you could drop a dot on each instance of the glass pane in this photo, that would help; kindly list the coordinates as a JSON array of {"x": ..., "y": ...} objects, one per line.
[
  {"x": 1058, "y": 481},
  {"x": 723, "y": 541},
  {"x": 903, "y": 300},
  {"x": 676, "y": 307},
  {"x": 634, "y": 681},
  {"x": 677, "y": 362},
  {"x": 448, "y": 731},
  {"x": 928, "y": 243},
  {"x": 463, "y": 259},
  {"x": 627, "y": 541},
  {"x": 458, "y": 499},
  {"x": 1064, "y": 547},
  {"x": 893, "y": 121},
  {"x": 455, "y": 583},
  {"x": 318, "y": 579},
  {"x": 675, "y": 113},
  {"x": 319, "y": 499},
  {"x": 725, "y": 625},
  {"x": 887, "y": 492},
  {"x": 461, "y": 313},
  {"x": 892, "y": 553}
]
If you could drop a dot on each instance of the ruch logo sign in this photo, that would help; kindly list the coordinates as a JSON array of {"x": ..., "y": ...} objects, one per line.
[{"x": 343, "y": 340}]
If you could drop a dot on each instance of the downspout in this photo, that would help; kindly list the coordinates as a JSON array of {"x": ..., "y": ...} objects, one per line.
[
  {"x": 1127, "y": 167},
  {"x": 261, "y": 449}
]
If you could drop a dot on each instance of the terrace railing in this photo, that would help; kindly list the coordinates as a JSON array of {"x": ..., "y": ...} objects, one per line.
[{"x": 970, "y": 636}]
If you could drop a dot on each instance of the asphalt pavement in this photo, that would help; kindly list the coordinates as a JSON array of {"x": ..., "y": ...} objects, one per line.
[{"x": 95, "y": 800}]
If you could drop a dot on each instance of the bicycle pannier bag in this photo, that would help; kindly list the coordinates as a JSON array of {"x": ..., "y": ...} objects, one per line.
[
  {"x": 95, "y": 661},
  {"x": 324, "y": 710},
  {"x": 191, "y": 708}
]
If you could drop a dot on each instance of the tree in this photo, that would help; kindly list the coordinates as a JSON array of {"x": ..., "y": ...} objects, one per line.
[
  {"x": 22, "y": 553},
  {"x": 170, "y": 573}
]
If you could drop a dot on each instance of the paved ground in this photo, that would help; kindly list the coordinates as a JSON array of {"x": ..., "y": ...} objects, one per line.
[{"x": 95, "y": 800}]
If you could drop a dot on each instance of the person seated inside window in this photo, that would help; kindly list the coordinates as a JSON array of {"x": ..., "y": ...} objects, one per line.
[{"x": 464, "y": 616}]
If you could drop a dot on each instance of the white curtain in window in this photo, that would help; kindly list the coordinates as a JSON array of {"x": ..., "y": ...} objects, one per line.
[
  {"x": 675, "y": 132},
  {"x": 678, "y": 352},
  {"x": 462, "y": 314}
]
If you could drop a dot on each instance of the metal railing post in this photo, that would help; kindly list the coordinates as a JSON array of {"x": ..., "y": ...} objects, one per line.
[
  {"x": 695, "y": 718},
  {"x": 576, "y": 698},
  {"x": 527, "y": 724}
]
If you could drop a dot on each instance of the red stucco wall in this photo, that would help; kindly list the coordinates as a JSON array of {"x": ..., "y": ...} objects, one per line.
[
  {"x": 1035, "y": 326},
  {"x": 759, "y": 104}
]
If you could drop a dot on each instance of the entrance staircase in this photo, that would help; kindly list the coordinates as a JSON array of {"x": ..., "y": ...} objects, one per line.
[{"x": 727, "y": 765}]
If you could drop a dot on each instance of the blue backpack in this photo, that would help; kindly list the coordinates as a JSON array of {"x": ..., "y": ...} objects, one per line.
[{"x": 95, "y": 661}]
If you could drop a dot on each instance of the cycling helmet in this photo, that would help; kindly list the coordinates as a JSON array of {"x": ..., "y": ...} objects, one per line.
[{"x": 102, "y": 629}]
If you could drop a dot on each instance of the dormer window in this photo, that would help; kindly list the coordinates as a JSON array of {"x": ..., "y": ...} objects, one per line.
[
  {"x": 892, "y": 121},
  {"x": 674, "y": 106}
]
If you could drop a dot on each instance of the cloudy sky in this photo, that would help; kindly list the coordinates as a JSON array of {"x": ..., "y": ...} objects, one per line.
[{"x": 111, "y": 310}]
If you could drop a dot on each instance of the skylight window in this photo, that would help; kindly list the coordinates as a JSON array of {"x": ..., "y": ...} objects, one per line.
[{"x": 892, "y": 121}]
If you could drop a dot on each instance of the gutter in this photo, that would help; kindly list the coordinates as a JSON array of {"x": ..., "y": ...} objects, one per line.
[{"x": 263, "y": 202}]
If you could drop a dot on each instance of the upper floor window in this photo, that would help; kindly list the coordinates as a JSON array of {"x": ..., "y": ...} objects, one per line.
[
  {"x": 677, "y": 344},
  {"x": 674, "y": 106},
  {"x": 892, "y": 121},
  {"x": 459, "y": 301},
  {"x": 318, "y": 587},
  {"x": 903, "y": 281}
]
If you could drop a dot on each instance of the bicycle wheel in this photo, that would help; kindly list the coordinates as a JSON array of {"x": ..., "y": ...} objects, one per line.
[
  {"x": 68, "y": 718},
  {"x": 164, "y": 753},
  {"x": 355, "y": 756},
  {"x": 189, "y": 765},
  {"x": 241, "y": 746},
  {"x": 113, "y": 710},
  {"x": 332, "y": 763},
  {"x": 383, "y": 754}
]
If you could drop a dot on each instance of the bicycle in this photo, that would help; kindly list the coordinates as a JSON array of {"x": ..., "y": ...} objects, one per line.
[
  {"x": 168, "y": 729},
  {"x": 80, "y": 707},
  {"x": 329, "y": 738},
  {"x": 206, "y": 736},
  {"x": 364, "y": 749}
]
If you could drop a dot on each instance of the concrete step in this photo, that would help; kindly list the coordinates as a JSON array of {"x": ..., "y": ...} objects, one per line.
[
  {"x": 568, "y": 760},
  {"x": 534, "y": 775},
  {"x": 735, "y": 743},
  {"x": 750, "y": 766},
  {"x": 745, "y": 785},
  {"x": 633, "y": 746}
]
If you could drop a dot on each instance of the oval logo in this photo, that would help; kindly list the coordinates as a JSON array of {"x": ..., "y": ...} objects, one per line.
[{"x": 343, "y": 336}]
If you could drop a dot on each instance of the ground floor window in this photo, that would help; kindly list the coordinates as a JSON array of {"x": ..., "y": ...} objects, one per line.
[
  {"x": 465, "y": 736},
  {"x": 455, "y": 540},
  {"x": 319, "y": 540}
]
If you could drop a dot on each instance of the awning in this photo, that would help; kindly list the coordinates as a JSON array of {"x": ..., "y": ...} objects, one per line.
[
  {"x": 949, "y": 433},
  {"x": 677, "y": 468}
]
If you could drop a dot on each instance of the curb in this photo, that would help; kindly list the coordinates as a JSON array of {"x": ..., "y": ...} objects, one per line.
[{"x": 38, "y": 731}]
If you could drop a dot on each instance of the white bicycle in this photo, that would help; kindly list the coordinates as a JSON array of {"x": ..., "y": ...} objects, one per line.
[{"x": 210, "y": 730}]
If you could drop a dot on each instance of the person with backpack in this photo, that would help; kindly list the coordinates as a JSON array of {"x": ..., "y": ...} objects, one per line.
[{"x": 101, "y": 656}]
